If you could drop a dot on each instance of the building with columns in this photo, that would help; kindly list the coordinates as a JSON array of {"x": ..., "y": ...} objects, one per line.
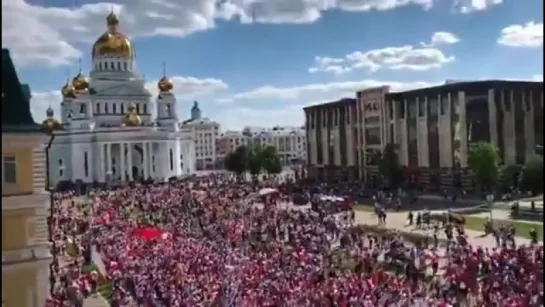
[
  {"x": 26, "y": 256},
  {"x": 433, "y": 129},
  {"x": 106, "y": 132},
  {"x": 204, "y": 132}
]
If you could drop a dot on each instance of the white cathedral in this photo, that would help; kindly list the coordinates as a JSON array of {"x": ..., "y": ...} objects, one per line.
[{"x": 106, "y": 132}]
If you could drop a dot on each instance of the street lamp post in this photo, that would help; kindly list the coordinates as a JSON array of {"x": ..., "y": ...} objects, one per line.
[{"x": 490, "y": 201}]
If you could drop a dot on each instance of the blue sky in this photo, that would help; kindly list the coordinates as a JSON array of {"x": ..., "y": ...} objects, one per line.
[{"x": 257, "y": 62}]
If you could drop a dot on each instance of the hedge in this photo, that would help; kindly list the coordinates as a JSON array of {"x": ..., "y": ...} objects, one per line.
[
  {"x": 411, "y": 237},
  {"x": 442, "y": 218}
]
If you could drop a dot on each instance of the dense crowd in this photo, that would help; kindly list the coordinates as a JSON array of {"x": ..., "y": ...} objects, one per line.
[{"x": 215, "y": 242}]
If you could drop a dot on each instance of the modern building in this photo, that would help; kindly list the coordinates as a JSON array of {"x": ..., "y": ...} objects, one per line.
[
  {"x": 204, "y": 132},
  {"x": 432, "y": 128},
  {"x": 106, "y": 132},
  {"x": 25, "y": 202}
]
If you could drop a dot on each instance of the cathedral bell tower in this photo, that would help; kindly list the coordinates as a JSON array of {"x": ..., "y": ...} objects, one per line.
[{"x": 166, "y": 102}]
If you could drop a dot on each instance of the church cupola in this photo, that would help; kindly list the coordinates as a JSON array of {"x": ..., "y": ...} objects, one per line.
[
  {"x": 195, "y": 111},
  {"x": 50, "y": 123},
  {"x": 166, "y": 102}
]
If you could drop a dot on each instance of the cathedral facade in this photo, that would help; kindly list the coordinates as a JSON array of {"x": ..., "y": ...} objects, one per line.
[{"x": 106, "y": 131}]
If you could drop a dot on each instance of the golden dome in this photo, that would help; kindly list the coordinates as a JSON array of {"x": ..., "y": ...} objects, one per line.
[
  {"x": 50, "y": 123},
  {"x": 68, "y": 91},
  {"x": 113, "y": 43},
  {"x": 80, "y": 82},
  {"x": 132, "y": 118},
  {"x": 165, "y": 84}
]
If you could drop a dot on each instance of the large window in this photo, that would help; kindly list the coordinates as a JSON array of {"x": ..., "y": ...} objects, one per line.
[
  {"x": 372, "y": 136},
  {"x": 9, "y": 170}
]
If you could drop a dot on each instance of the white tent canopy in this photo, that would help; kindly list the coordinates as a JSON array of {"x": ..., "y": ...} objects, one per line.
[{"x": 267, "y": 191}]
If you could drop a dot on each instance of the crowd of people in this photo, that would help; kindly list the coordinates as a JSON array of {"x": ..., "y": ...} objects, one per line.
[{"x": 213, "y": 241}]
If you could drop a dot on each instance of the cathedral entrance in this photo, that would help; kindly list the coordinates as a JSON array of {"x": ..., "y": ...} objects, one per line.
[{"x": 137, "y": 160}]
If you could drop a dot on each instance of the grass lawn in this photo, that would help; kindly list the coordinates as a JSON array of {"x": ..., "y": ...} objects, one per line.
[
  {"x": 104, "y": 285},
  {"x": 522, "y": 228},
  {"x": 366, "y": 208},
  {"x": 534, "y": 198}
]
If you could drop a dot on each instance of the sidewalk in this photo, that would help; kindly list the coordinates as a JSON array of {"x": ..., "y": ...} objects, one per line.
[{"x": 398, "y": 220}]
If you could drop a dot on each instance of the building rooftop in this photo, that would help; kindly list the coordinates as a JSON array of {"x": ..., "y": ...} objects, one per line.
[
  {"x": 470, "y": 86},
  {"x": 340, "y": 102},
  {"x": 16, "y": 115}
]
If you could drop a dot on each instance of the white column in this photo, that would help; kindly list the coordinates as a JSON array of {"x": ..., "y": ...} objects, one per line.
[
  {"x": 145, "y": 162},
  {"x": 129, "y": 158},
  {"x": 102, "y": 163},
  {"x": 151, "y": 154},
  {"x": 109, "y": 159},
  {"x": 122, "y": 161}
]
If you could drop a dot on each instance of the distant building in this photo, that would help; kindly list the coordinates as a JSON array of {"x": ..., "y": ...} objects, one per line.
[
  {"x": 25, "y": 202},
  {"x": 290, "y": 142},
  {"x": 432, "y": 128},
  {"x": 204, "y": 133}
]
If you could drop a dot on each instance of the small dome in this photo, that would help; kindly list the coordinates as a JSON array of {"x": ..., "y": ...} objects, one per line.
[
  {"x": 80, "y": 82},
  {"x": 132, "y": 118},
  {"x": 50, "y": 123},
  {"x": 49, "y": 112},
  {"x": 68, "y": 91},
  {"x": 111, "y": 19},
  {"x": 165, "y": 84}
]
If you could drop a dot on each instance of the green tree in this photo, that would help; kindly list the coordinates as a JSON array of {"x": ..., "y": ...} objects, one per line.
[
  {"x": 236, "y": 161},
  {"x": 254, "y": 161},
  {"x": 532, "y": 174},
  {"x": 509, "y": 177},
  {"x": 389, "y": 166},
  {"x": 271, "y": 160},
  {"x": 484, "y": 163}
]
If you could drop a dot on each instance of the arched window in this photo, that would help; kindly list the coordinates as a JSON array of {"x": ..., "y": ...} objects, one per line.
[
  {"x": 106, "y": 108},
  {"x": 145, "y": 108},
  {"x": 99, "y": 66},
  {"x": 122, "y": 108},
  {"x": 112, "y": 65},
  {"x": 97, "y": 106},
  {"x": 168, "y": 110},
  {"x": 82, "y": 108},
  {"x": 118, "y": 65},
  {"x": 114, "y": 108},
  {"x": 125, "y": 66},
  {"x": 137, "y": 108}
]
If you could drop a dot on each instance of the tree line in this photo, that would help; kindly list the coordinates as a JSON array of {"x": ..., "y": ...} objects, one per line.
[
  {"x": 254, "y": 160},
  {"x": 487, "y": 169}
]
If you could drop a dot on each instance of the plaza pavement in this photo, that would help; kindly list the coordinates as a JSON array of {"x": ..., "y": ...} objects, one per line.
[{"x": 398, "y": 220}]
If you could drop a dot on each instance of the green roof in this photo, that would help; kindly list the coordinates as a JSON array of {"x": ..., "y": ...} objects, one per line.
[{"x": 16, "y": 115}]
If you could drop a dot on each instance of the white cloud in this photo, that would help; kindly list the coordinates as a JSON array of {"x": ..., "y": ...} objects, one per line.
[
  {"x": 315, "y": 92},
  {"x": 404, "y": 57},
  {"x": 269, "y": 105},
  {"x": 186, "y": 88},
  {"x": 442, "y": 38},
  {"x": 47, "y": 35},
  {"x": 525, "y": 35},
  {"x": 470, "y": 6}
]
